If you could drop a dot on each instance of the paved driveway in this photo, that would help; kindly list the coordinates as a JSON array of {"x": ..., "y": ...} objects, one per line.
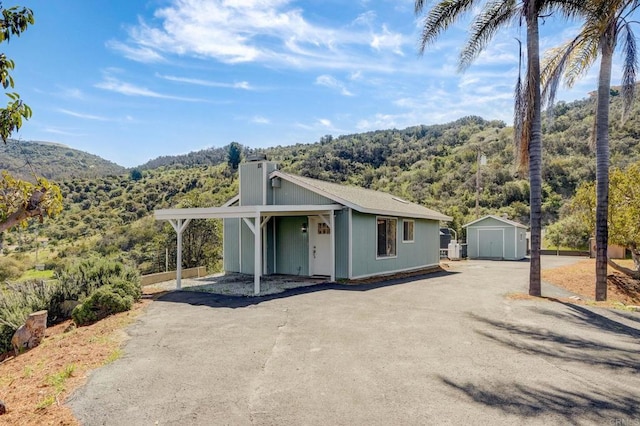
[{"x": 444, "y": 349}]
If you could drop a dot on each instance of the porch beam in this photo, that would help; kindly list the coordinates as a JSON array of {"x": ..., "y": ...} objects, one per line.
[{"x": 250, "y": 225}]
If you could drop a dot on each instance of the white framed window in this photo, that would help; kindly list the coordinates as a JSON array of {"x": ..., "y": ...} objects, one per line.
[
  {"x": 386, "y": 236},
  {"x": 407, "y": 230},
  {"x": 323, "y": 229}
]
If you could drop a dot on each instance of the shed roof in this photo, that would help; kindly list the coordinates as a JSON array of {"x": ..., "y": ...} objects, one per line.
[
  {"x": 362, "y": 199},
  {"x": 501, "y": 219}
]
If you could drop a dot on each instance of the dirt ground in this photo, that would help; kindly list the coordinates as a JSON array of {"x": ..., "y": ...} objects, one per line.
[
  {"x": 579, "y": 278},
  {"x": 35, "y": 385}
]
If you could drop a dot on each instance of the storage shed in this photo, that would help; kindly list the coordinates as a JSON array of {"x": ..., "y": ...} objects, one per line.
[{"x": 493, "y": 237}]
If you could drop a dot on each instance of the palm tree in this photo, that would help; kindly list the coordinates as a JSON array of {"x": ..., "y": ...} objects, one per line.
[
  {"x": 493, "y": 16},
  {"x": 607, "y": 24}
]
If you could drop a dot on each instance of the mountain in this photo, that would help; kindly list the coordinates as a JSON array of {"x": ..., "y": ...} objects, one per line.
[{"x": 53, "y": 161}]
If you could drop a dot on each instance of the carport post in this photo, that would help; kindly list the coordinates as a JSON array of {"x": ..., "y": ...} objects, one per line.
[
  {"x": 179, "y": 227},
  {"x": 257, "y": 264}
]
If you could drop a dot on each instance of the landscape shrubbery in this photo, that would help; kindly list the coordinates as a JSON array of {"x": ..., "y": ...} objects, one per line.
[{"x": 100, "y": 287}]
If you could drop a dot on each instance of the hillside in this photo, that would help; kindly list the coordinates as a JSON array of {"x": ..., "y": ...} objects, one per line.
[{"x": 53, "y": 161}]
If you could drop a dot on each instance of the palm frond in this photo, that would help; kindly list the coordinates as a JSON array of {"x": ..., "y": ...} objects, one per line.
[
  {"x": 629, "y": 68},
  {"x": 491, "y": 18},
  {"x": 440, "y": 17},
  {"x": 552, "y": 70},
  {"x": 519, "y": 111}
]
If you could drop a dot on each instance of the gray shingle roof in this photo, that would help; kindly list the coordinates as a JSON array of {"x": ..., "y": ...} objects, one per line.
[
  {"x": 501, "y": 219},
  {"x": 364, "y": 200}
]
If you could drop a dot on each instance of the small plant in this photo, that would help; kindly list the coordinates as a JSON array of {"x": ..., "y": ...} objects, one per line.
[{"x": 46, "y": 402}]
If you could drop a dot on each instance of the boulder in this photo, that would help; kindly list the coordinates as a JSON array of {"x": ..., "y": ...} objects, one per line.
[
  {"x": 31, "y": 333},
  {"x": 3, "y": 408}
]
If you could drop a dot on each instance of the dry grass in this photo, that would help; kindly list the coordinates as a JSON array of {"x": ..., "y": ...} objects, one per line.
[
  {"x": 579, "y": 278},
  {"x": 34, "y": 385}
]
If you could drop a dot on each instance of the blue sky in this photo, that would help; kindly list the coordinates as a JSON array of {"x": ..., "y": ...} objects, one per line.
[{"x": 133, "y": 80}]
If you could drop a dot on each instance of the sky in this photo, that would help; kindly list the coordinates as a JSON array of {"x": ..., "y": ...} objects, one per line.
[{"x": 131, "y": 80}]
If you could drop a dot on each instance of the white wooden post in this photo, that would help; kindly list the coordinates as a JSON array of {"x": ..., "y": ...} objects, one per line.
[
  {"x": 179, "y": 227},
  {"x": 257, "y": 264},
  {"x": 332, "y": 229}
]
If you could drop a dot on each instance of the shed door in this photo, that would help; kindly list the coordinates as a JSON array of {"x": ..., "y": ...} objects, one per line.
[
  {"x": 319, "y": 247},
  {"x": 490, "y": 243}
]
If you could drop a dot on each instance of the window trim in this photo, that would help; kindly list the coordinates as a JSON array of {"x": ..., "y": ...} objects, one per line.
[
  {"x": 378, "y": 257},
  {"x": 413, "y": 231}
]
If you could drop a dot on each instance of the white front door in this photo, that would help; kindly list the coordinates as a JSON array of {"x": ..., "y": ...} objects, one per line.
[{"x": 319, "y": 247}]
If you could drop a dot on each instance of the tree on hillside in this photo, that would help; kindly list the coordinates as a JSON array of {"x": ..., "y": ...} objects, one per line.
[
  {"x": 20, "y": 200},
  {"x": 493, "y": 16},
  {"x": 607, "y": 25},
  {"x": 234, "y": 156}
]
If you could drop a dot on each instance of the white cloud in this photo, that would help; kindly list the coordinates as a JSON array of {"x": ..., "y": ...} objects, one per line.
[
  {"x": 266, "y": 31},
  {"x": 114, "y": 85},
  {"x": 333, "y": 83},
  {"x": 258, "y": 119},
  {"x": 325, "y": 122},
  {"x": 238, "y": 85},
  {"x": 387, "y": 40},
  {"x": 82, "y": 115}
]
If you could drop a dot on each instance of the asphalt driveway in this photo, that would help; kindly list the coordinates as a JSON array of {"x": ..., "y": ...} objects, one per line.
[{"x": 448, "y": 348}]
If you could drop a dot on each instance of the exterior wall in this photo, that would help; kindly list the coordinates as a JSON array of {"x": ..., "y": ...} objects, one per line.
[
  {"x": 342, "y": 243},
  {"x": 292, "y": 194},
  {"x": 247, "y": 255},
  {"x": 292, "y": 251},
  {"x": 231, "y": 252},
  {"x": 423, "y": 252},
  {"x": 513, "y": 247}
]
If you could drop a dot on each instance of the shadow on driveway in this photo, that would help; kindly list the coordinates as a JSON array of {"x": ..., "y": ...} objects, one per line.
[{"x": 229, "y": 301}]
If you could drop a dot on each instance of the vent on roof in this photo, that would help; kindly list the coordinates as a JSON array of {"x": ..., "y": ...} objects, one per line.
[{"x": 400, "y": 200}]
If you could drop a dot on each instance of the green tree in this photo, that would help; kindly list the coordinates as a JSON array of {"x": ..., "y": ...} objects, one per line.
[
  {"x": 135, "y": 174},
  {"x": 493, "y": 16},
  {"x": 234, "y": 156},
  {"x": 607, "y": 25},
  {"x": 20, "y": 200}
]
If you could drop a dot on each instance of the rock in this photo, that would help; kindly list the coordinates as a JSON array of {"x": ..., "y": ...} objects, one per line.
[
  {"x": 30, "y": 334},
  {"x": 3, "y": 408}
]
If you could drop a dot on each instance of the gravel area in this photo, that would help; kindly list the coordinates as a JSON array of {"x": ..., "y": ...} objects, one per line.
[{"x": 239, "y": 284}]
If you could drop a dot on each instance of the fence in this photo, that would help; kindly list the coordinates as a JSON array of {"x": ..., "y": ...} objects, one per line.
[{"x": 198, "y": 272}]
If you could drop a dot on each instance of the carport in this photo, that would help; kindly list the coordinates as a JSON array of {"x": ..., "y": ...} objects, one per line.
[
  {"x": 493, "y": 237},
  {"x": 255, "y": 217}
]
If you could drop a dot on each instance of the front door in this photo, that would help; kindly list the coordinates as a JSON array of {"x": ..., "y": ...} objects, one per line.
[
  {"x": 491, "y": 243},
  {"x": 319, "y": 247}
]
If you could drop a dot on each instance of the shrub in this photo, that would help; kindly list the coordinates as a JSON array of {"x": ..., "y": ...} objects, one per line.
[
  {"x": 9, "y": 269},
  {"x": 101, "y": 303}
]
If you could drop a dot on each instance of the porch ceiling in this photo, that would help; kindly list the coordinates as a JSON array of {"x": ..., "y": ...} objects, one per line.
[{"x": 244, "y": 211}]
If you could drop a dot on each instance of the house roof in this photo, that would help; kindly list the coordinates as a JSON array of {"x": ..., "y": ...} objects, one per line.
[
  {"x": 363, "y": 200},
  {"x": 501, "y": 219}
]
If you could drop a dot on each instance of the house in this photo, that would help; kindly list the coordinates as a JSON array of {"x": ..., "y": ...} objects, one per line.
[
  {"x": 281, "y": 223},
  {"x": 493, "y": 237}
]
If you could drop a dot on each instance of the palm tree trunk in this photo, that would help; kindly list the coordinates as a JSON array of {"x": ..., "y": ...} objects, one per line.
[
  {"x": 535, "y": 146},
  {"x": 602, "y": 163}
]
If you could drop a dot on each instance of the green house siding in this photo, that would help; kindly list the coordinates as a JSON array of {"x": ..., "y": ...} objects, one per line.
[
  {"x": 247, "y": 252},
  {"x": 251, "y": 184},
  {"x": 231, "y": 245},
  {"x": 292, "y": 248},
  {"x": 424, "y": 251},
  {"x": 292, "y": 194},
  {"x": 342, "y": 243}
]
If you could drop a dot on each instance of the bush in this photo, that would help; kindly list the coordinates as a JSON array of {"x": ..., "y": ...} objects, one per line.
[
  {"x": 101, "y": 303},
  {"x": 9, "y": 269}
]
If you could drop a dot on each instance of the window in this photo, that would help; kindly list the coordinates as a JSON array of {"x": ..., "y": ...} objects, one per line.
[
  {"x": 387, "y": 230},
  {"x": 407, "y": 231},
  {"x": 323, "y": 229}
]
